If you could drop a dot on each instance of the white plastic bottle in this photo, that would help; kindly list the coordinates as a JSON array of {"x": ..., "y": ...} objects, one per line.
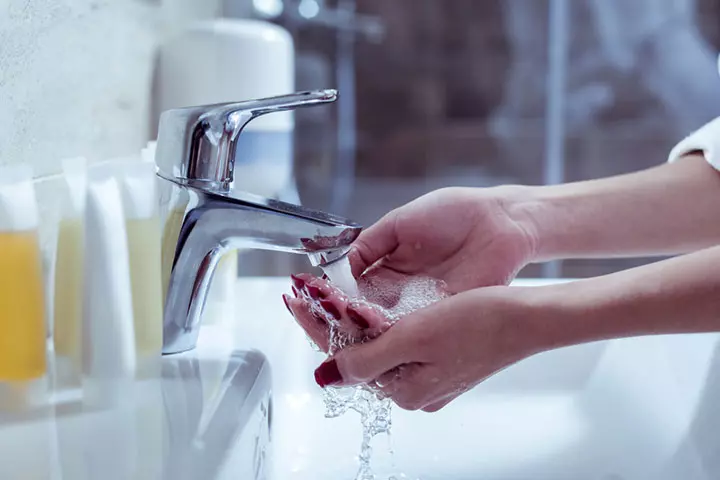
[{"x": 108, "y": 333}]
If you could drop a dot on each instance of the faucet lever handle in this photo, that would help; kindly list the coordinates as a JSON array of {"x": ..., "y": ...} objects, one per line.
[
  {"x": 197, "y": 145},
  {"x": 251, "y": 109}
]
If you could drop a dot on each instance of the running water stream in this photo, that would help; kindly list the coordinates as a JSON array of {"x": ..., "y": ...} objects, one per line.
[{"x": 375, "y": 410}]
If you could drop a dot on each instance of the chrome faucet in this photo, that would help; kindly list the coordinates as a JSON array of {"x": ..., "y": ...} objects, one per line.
[{"x": 204, "y": 217}]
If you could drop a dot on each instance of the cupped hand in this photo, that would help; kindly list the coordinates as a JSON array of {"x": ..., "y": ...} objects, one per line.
[
  {"x": 433, "y": 355},
  {"x": 466, "y": 237},
  {"x": 332, "y": 320}
]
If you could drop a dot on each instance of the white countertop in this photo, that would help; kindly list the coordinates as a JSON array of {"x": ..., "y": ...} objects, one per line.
[{"x": 555, "y": 416}]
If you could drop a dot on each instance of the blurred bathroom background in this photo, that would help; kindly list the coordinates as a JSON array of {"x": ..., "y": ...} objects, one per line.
[{"x": 434, "y": 93}]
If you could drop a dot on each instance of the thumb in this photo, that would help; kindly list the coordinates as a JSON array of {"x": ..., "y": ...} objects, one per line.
[
  {"x": 374, "y": 243},
  {"x": 365, "y": 362}
]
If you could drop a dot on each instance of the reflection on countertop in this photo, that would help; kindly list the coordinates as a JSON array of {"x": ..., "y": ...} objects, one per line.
[{"x": 197, "y": 418}]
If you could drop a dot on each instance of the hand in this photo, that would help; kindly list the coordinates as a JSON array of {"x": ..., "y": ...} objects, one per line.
[
  {"x": 435, "y": 354},
  {"x": 327, "y": 315},
  {"x": 466, "y": 237}
]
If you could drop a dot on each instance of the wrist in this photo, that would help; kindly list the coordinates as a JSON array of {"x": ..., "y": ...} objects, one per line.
[
  {"x": 602, "y": 308},
  {"x": 531, "y": 208},
  {"x": 565, "y": 314},
  {"x": 542, "y": 315},
  {"x": 618, "y": 216},
  {"x": 531, "y": 320}
]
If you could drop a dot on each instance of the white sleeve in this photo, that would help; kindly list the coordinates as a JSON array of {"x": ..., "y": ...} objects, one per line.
[{"x": 706, "y": 140}]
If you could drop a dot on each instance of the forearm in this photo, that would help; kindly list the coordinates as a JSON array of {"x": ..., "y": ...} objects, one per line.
[
  {"x": 680, "y": 295},
  {"x": 666, "y": 210}
]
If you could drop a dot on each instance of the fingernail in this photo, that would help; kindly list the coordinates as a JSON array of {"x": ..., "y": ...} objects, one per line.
[
  {"x": 298, "y": 282},
  {"x": 328, "y": 374},
  {"x": 358, "y": 319},
  {"x": 286, "y": 303},
  {"x": 295, "y": 292},
  {"x": 330, "y": 308},
  {"x": 325, "y": 277},
  {"x": 314, "y": 292}
]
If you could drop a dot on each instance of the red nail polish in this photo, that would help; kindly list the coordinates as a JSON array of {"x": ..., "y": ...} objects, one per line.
[
  {"x": 358, "y": 319},
  {"x": 328, "y": 374},
  {"x": 286, "y": 303},
  {"x": 325, "y": 277},
  {"x": 314, "y": 292},
  {"x": 295, "y": 292},
  {"x": 298, "y": 282},
  {"x": 330, "y": 308}
]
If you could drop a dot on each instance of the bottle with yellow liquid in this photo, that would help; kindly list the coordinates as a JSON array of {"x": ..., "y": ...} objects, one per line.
[
  {"x": 22, "y": 300},
  {"x": 68, "y": 291},
  {"x": 67, "y": 300},
  {"x": 142, "y": 225},
  {"x": 22, "y": 307},
  {"x": 143, "y": 235}
]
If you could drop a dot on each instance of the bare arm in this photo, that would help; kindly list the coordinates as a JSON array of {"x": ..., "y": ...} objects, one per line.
[
  {"x": 680, "y": 295},
  {"x": 670, "y": 209},
  {"x": 488, "y": 329}
]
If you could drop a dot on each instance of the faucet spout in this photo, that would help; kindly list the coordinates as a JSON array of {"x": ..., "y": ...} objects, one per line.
[
  {"x": 206, "y": 216},
  {"x": 213, "y": 224}
]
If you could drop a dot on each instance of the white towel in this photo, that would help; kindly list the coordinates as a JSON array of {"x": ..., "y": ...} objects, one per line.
[{"x": 706, "y": 140}]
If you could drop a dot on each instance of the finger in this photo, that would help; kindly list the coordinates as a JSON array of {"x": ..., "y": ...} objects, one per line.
[
  {"x": 312, "y": 287},
  {"x": 349, "y": 315},
  {"x": 326, "y": 301},
  {"x": 385, "y": 391},
  {"x": 373, "y": 244},
  {"x": 411, "y": 340},
  {"x": 388, "y": 378},
  {"x": 368, "y": 319},
  {"x": 324, "y": 296},
  {"x": 434, "y": 407},
  {"x": 365, "y": 362},
  {"x": 333, "y": 302},
  {"x": 316, "y": 328},
  {"x": 344, "y": 330},
  {"x": 404, "y": 385},
  {"x": 409, "y": 391}
]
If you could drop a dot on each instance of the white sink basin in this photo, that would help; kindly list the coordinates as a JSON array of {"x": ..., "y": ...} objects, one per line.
[
  {"x": 637, "y": 409},
  {"x": 629, "y": 409}
]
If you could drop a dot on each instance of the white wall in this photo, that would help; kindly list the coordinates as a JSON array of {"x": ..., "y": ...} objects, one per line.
[{"x": 75, "y": 78}]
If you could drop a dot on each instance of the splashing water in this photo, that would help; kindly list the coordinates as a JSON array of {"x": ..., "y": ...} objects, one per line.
[
  {"x": 394, "y": 299},
  {"x": 341, "y": 275}
]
